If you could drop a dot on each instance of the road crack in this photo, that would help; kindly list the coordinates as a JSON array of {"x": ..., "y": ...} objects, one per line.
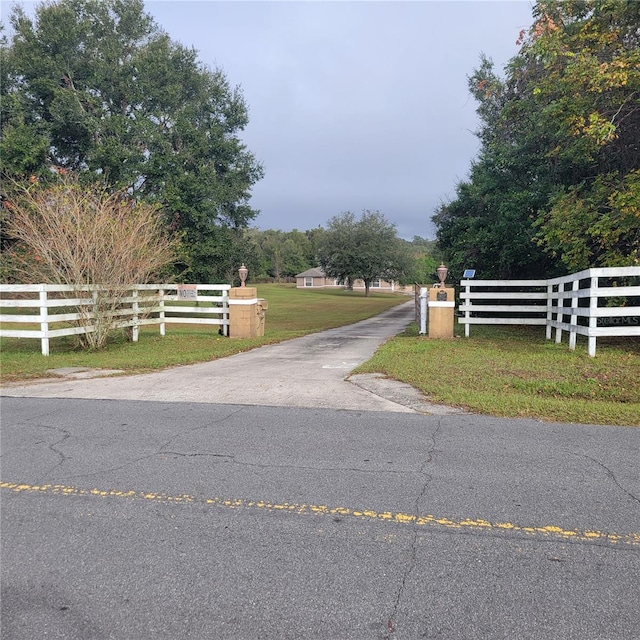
[
  {"x": 53, "y": 447},
  {"x": 391, "y": 623},
  {"x": 194, "y": 455},
  {"x": 612, "y": 476},
  {"x": 160, "y": 451}
]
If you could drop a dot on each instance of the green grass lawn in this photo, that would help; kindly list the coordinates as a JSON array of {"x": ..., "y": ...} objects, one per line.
[
  {"x": 513, "y": 371},
  {"x": 503, "y": 371}
]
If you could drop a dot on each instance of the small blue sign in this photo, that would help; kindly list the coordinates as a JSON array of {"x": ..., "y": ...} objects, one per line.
[{"x": 469, "y": 273}]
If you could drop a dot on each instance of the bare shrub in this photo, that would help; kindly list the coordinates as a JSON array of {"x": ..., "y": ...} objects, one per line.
[{"x": 82, "y": 235}]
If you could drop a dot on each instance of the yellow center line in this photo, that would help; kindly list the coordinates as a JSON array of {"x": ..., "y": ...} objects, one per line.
[{"x": 469, "y": 524}]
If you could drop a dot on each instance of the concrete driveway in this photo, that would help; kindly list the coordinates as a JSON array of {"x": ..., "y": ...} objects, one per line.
[{"x": 312, "y": 371}]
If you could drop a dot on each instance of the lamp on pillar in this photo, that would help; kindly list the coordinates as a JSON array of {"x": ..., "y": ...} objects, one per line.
[
  {"x": 242, "y": 272},
  {"x": 442, "y": 274}
]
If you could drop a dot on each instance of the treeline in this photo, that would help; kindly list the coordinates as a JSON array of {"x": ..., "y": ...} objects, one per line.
[
  {"x": 97, "y": 91},
  {"x": 556, "y": 185},
  {"x": 279, "y": 256}
]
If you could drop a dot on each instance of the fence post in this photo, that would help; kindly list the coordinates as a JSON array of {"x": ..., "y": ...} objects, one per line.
[
  {"x": 467, "y": 313},
  {"x": 593, "y": 318},
  {"x": 161, "y": 312},
  {"x": 573, "y": 334},
  {"x": 549, "y": 310},
  {"x": 423, "y": 311},
  {"x": 560, "y": 312},
  {"x": 225, "y": 304},
  {"x": 44, "y": 323},
  {"x": 136, "y": 311}
]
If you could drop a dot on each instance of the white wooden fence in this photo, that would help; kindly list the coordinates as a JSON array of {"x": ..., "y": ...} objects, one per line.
[
  {"x": 589, "y": 303},
  {"x": 49, "y": 310}
]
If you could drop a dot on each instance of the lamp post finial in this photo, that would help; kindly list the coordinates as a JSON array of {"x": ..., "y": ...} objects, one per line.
[{"x": 242, "y": 272}]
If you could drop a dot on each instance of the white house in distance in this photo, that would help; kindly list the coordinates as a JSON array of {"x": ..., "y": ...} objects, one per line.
[{"x": 317, "y": 279}]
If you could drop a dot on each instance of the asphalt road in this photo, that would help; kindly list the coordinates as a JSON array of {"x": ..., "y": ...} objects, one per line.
[{"x": 128, "y": 519}]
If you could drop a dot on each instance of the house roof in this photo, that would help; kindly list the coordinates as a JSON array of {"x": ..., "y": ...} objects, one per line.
[{"x": 316, "y": 272}]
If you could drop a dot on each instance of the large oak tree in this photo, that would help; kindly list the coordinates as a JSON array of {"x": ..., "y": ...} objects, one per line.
[
  {"x": 96, "y": 87},
  {"x": 367, "y": 248}
]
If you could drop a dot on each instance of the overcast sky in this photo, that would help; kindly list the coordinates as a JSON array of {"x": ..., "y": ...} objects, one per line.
[{"x": 352, "y": 105}]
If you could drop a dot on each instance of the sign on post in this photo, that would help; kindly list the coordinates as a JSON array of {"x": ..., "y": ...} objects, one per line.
[{"x": 188, "y": 291}]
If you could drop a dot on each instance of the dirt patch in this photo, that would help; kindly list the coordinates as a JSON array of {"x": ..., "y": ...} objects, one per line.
[{"x": 81, "y": 373}]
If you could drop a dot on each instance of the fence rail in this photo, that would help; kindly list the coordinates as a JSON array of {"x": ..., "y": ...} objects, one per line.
[
  {"x": 59, "y": 310},
  {"x": 593, "y": 303}
]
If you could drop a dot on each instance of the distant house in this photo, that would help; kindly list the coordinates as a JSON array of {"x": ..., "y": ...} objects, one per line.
[{"x": 316, "y": 278}]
